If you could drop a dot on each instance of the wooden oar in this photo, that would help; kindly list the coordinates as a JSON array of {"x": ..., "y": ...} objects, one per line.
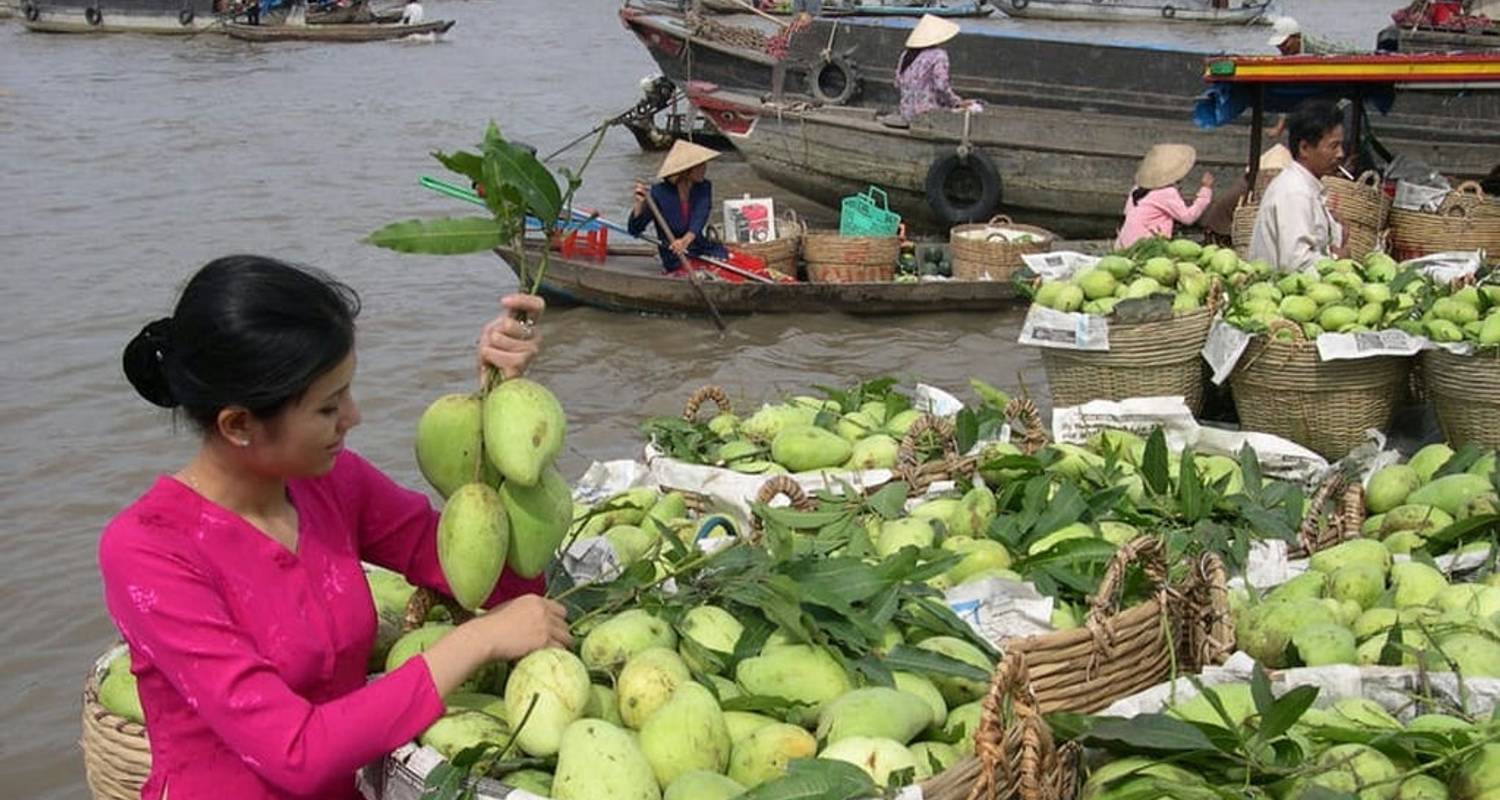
[{"x": 692, "y": 276}]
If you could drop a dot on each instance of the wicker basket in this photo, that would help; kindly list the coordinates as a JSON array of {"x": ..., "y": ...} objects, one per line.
[
  {"x": 1243, "y": 226},
  {"x": 1282, "y": 387},
  {"x": 1335, "y": 513},
  {"x": 1014, "y": 753},
  {"x": 780, "y": 253},
  {"x": 1364, "y": 209},
  {"x": 1183, "y": 628},
  {"x": 116, "y": 753},
  {"x": 1465, "y": 391},
  {"x": 1145, "y": 359},
  {"x": 1418, "y": 233},
  {"x": 980, "y": 253},
  {"x": 832, "y": 258},
  {"x": 1470, "y": 195}
]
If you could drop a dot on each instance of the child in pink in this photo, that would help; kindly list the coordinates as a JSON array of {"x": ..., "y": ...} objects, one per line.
[
  {"x": 1155, "y": 204},
  {"x": 250, "y": 640}
]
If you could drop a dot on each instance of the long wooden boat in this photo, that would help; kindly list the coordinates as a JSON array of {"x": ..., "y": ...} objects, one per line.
[
  {"x": 1407, "y": 40},
  {"x": 1249, "y": 11},
  {"x": 351, "y": 32},
  {"x": 969, "y": 8},
  {"x": 158, "y": 17},
  {"x": 630, "y": 279}
]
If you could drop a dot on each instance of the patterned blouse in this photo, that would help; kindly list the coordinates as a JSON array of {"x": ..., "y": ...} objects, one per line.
[{"x": 924, "y": 84}]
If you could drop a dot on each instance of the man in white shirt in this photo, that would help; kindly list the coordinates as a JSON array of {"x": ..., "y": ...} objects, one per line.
[
  {"x": 1294, "y": 227},
  {"x": 411, "y": 14}
]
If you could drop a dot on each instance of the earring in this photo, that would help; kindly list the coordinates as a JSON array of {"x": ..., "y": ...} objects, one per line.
[{"x": 243, "y": 443}]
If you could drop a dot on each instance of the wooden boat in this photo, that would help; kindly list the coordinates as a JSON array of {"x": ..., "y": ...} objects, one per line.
[
  {"x": 351, "y": 32},
  {"x": 630, "y": 279},
  {"x": 1203, "y": 11},
  {"x": 359, "y": 12},
  {"x": 971, "y": 8},
  {"x": 161, "y": 17},
  {"x": 1421, "y": 40}
]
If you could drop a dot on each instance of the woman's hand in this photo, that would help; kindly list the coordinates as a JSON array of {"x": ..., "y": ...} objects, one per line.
[
  {"x": 1208, "y": 180},
  {"x": 640, "y": 199},
  {"x": 523, "y": 625},
  {"x": 507, "y": 342},
  {"x": 681, "y": 243}
]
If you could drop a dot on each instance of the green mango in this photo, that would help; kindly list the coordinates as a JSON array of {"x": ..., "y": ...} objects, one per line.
[
  {"x": 539, "y": 517},
  {"x": 1320, "y": 645},
  {"x": 741, "y": 724},
  {"x": 119, "y": 695},
  {"x": 703, "y": 785},
  {"x": 524, "y": 426},
  {"x": 873, "y": 452},
  {"x": 932, "y": 758},
  {"x": 414, "y": 642},
  {"x": 1477, "y": 655},
  {"x": 767, "y": 423},
  {"x": 559, "y": 682},
  {"x": 1097, "y": 283},
  {"x": 874, "y": 711},
  {"x": 1415, "y": 584},
  {"x": 877, "y": 757},
  {"x": 647, "y": 681},
  {"x": 857, "y": 425},
  {"x": 473, "y": 538},
  {"x": 1414, "y": 517},
  {"x": 1311, "y": 585},
  {"x": 1236, "y": 698},
  {"x": 763, "y": 755},
  {"x": 603, "y": 704},
  {"x": 586, "y": 747},
  {"x": 1390, "y": 486},
  {"x": 1360, "y": 582},
  {"x": 1353, "y": 551},
  {"x": 797, "y": 672},
  {"x": 895, "y": 534},
  {"x": 919, "y": 686},
  {"x": 805, "y": 448},
  {"x": 955, "y": 690},
  {"x": 976, "y": 510},
  {"x": 534, "y": 781},
  {"x": 448, "y": 441},
  {"x": 631, "y": 543},
  {"x": 962, "y": 724},
  {"x": 714, "y": 629},
  {"x": 687, "y": 733},
  {"x": 1478, "y": 777},
  {"x": 1451, "y": 492},
  {"x": 901, "y": 422},
  {"x": 614, "y": 641}
]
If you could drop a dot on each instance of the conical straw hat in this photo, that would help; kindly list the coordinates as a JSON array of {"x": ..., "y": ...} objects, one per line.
[
  {"x": 931, "y": 31},
  {"x": 683, "y": 156},
  {"x": 1164, "y": 165},
  {"x": 1278, "y": 157}
]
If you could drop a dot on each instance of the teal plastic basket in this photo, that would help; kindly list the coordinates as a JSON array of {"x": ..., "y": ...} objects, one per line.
[{"x": 868, "y": 214}]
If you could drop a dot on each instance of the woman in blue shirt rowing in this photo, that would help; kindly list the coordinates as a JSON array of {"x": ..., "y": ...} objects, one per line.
[{"x": 685, "y": 199}]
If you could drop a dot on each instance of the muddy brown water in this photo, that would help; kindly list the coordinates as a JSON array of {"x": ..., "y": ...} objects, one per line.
[{"x": 129, "y": 161}]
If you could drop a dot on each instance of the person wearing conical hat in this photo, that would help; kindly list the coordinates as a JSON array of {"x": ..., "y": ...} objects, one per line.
[
  {"x": 922, "y": 72},
  {"x": 685, "y": 198},
  {"x": 1155, "y": 205}
]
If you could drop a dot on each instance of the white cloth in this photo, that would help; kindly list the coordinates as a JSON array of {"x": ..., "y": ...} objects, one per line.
[
  {"x": 1294, "y": 228},
  {"x": 412, "y": 14}
]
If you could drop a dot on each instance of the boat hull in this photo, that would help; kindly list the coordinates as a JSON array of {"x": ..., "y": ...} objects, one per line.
[
  {"x": 332, "y": 33},
  {"x": 157, "y": 17},
  {"x": 634, "y": 283},
  {"x": 1094, "y": 11}
]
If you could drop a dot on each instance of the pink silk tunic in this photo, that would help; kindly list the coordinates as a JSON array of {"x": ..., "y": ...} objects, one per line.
[
  {"x": 250, "y": 658},
  {"x": 1157, "y": 211}
]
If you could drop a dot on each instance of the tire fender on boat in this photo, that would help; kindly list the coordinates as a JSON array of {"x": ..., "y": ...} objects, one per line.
[
  {"x": 953, "y": 211},
  {"x": 1169, "y": 11},
  {"x": 185, "y": 17},
  {"x": 844, "y": 73},
  {"x": 1019, "y": 4},
  {"x": 93, "y": 16},
  {"x": 31, "y": 12}
]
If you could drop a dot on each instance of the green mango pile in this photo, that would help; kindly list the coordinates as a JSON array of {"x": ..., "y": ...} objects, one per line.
[
  {"x": 492, "y": 458},
  {"x": 1339, "y": 296},
  {"x": 1240, "y": 741},
  {"x": 1410, "y": 503},
  {"x": 1185, "y": 271},
  {"x": 1464, "y": 314}
]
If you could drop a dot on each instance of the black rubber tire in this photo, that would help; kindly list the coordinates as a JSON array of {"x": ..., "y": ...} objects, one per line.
[
  {"x": 1169, "y": 12},
  {"x": 980, "y": 189},
  {"x": 185, "y": 17},
  {"x": 32, "y": 12},
  {"x": 93, "y": 16},
  {"x": 834, "y": 81},
  {"x": 1019, "y": 5}
]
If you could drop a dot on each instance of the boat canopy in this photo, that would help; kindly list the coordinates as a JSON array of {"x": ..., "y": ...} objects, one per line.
[{"x": 1279, "y": 83}]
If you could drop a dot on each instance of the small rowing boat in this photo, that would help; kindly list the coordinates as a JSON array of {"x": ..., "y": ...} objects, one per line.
[{"x": 349, "y": 32}]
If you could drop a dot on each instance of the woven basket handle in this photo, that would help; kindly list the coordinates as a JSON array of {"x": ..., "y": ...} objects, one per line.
[
  {"x": 1211, "y": 623},
  {"x": 1458, "y": 211},
  {"x": 1147, "y": 551},
  {"x": 1369, "y": 179},
  {"x": 1471, "y": 187},
  {"x": 1001, "y": 219},
  {"x": 907, "y": 458},
  {"x": 714, "y": 393},
  {"x": 996, "y": 751},
  {"x": 422, "y": 601},
  {"x": 1309, "y": 533},
  {"x": 1216, "y": 297},
  {"x": 1023, "y": 413},
  {"x": 778, "y": 486}
]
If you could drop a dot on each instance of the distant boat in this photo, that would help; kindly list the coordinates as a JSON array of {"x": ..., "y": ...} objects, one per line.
[
  {"x": 169, "y": 17},
  {"x": 1248, "y": 11},
  {"x": 870, "y": 8},
  {"x": 349, "y": 32}
]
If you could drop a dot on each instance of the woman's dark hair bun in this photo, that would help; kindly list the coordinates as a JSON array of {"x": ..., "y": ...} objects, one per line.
[{"x": 145, "y": 362}]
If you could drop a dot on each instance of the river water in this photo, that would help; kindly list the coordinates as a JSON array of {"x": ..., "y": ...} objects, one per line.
[{"x": 130, "y": 161}]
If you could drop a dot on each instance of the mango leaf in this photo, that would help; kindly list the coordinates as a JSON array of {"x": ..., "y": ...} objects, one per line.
[
  {"x": 1154, "y": 470},
  {"x": 518, "y": 168},
  {"x": 1461, "y": 461},
  {"x": 1065, "y": 508},
  {"x": 1150, "y": 732},
  {"x": 836, "y": 582},
  {"x": 1069, "y": 552},
  {"x": 876, "y": 672},
  {"x": 446, "y": 236},
  {"x": 890, "y": 501},
  {"x": 758, "y": 703},
  {"x": 1250, "y": 471},
  {"x": 816, "y": 779},
  {"x": 966, "y": 429},
  {"x": 1260, "y": 691},
  {"x": 1286, "y": 711},
  {"x": 1192, "y": 499},
  {"x": 462, "y": 162},
  {"x": 910, "y": 659},
  {"x": 1464, "y": 529}
]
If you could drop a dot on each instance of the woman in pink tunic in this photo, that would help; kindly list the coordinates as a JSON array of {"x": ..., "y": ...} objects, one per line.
[
  {"x": 1154, "y": 204},
  {"x": 237, "y": 581}
]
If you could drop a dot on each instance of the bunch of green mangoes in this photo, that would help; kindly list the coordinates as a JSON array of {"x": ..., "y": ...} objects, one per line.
[
  {"x": 1407, "y": 503},
  {"x": 635, "y": 521},
  {"x": 1467, "y": 314},
  {"x": 117, "y": 690},
  {"x": 1320, "y": 755},
  {"x": 636, "y": 712},
  {"x": 1186, "y": 273},
  {"x": 1338, "y": 296},
  {"x": 492, "y": 458},
  {"x": 786, "y": 437},
  {"x": 1356, "y": 605}
]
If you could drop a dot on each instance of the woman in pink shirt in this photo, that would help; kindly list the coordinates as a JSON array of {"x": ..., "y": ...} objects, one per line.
[
  {"x": 236, "y": 581},
  {"x": 1154, "y": 204}
]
